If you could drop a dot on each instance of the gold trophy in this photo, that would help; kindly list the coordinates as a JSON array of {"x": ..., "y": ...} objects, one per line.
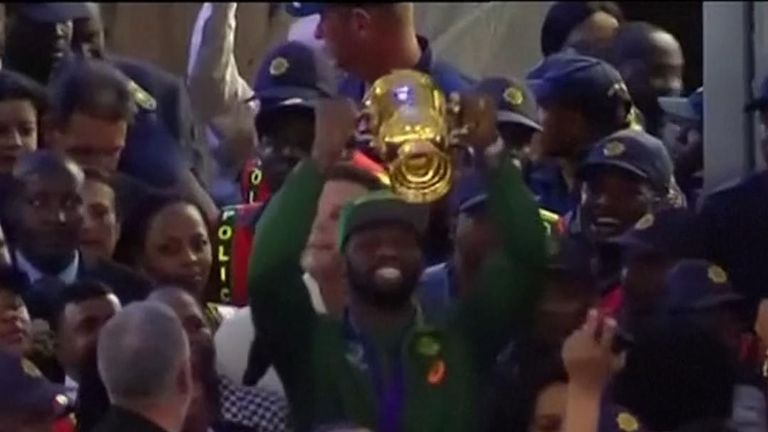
[{"x": 411, "y": 123}]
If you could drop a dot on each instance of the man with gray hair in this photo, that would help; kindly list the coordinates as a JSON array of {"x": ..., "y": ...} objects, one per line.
[{"x": 144, "y": 361}]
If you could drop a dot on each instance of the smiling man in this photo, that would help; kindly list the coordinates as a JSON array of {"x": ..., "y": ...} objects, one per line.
[{"x": 625, "y": 176}]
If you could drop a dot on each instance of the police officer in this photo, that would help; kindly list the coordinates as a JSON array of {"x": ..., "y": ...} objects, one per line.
[
  {"x": 162, "y": 142},
  {"x": 515, "y": 115},
  {"x": 625, "y": 176},
  {"x": 28, "y": 401},
  {"x": 683, "y": 133},
  {"x": 737, "y": 222},
  {"x": 581, "y": 100},
  {"x": 383, "y": 39}
]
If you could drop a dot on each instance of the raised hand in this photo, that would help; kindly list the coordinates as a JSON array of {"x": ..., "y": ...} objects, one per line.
[
  {"x": 587, "y": 354},
  {"x": 335, "y": 123}
]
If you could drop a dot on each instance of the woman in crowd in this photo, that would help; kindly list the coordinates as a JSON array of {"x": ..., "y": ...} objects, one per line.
[{"x": 169, "y": 242}]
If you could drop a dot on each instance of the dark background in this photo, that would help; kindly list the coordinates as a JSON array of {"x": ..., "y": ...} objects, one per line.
[{"x": 684, "y": 20}]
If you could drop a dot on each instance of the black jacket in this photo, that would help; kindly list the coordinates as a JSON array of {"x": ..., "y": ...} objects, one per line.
[
  {"x": 122, "y": 420},
  {"x": 164, "y": 138}
]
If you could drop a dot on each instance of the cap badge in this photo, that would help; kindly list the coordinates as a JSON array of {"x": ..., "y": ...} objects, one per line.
[
  {"x": 62, "y": 400},
  {"x": 278, "y": 66},
  {"x": 613, "y": 149},
  {"x": 627, "y": 422},
  {"x": 619, "y": 89},
  {"x": 645, "y": 222},
  {"x": 141, "y": 97},
  {"x": 30, "y": 369},
  {"x": 513, "y": 95},
  {"x": 717, "y": 275}
]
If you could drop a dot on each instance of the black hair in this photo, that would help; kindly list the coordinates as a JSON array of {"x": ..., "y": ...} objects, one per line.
[
  {"x": 92, "y": 87},
  {"x": 133, "y": 238},
  {"x": 519, "y": 384},
  {"x": 13, "y": 281},
  {"x": 347, "y": 171},
  {"x": 564, "y": 16},
  {"x": 103, "y": 177},
  {"x": 78, "y": 292},
  {"x": 676, "y": 372},
  {"x": 16, "y": 86}
]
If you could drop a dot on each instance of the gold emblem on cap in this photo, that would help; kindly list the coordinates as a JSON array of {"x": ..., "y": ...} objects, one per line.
[
  {"x": 30, "y": 369},
  {"x": 613, "y": 149},
  {"x": 645, "y": 222},
  {"x": 278, "y": 66},
  {"x": 142, "y": 98},
  {"x": 62, "y": 400},
  {"x": 627, "y": 422},
  {"x": 717, "y": 275},
  {"x": 513, "y": 95}
]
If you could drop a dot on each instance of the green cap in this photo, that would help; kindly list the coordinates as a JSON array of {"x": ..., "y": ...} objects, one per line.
[{"x": 380, "y": 208}]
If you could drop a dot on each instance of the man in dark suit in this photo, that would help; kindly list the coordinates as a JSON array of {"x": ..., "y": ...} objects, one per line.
[{"x": 46, "y": 217}]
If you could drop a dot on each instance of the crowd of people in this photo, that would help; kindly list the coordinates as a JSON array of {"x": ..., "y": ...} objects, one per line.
[{"x": 208, "y": 253}]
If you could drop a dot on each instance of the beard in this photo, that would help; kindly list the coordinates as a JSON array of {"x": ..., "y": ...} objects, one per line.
[{"x": 391, "y": 297}]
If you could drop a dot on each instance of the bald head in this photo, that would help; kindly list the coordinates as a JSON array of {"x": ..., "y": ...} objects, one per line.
[
  {"x": 143, "y": 356},
  {"x": 642, "y": 41},
  {"x": 651, "y": 62}
]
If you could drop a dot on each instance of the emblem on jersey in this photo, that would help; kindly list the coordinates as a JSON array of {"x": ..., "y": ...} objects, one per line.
[
  {"x": 645, "y": 222},
  {"x": 613, "y": 149},
  {"x": 436, "y": 373},
  {"x": 717, "y": 275},
  {"x": 627, "y": 422},
  {"x": 428, "y": 346},
  {"x": 278, "y": 66},
  {"x": 514, "y": 96},
  {"x": 142, "y": 98}
]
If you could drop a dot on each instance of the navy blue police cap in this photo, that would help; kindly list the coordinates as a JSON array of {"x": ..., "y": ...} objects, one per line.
[
  {"x": 677, "y": 233},
  {"x": 690, "y": 109},
  {"x": 514, "y": 101},
  {"x": 577, "y": 81},
  {"x": 31, "y": 391},
  {"x": 53, "y": 12},
  {"x": 294, "y": 74},
  {"x": 695, "y": 285},
  {"x": 632, "y": 151},
  {"x": 761, "y": 101}
]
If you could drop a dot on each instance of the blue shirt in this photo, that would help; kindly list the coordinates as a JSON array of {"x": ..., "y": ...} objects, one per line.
[
  {"x": 446, "y": 77},
  {"x": 437, "y": 291}
]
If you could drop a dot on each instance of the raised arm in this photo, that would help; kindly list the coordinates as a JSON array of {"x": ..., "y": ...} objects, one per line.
[
  {"x": 507, "y": 287},
  {"x": 215, "y": 84},
  {"x": 281, "y": 306}
]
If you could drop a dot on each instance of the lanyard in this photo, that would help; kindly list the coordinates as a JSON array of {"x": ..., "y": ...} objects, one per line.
[{"x": 390, "y": 396}]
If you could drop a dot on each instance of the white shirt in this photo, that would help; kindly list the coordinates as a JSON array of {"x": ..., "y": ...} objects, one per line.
[{"x": 67, "y": 276}]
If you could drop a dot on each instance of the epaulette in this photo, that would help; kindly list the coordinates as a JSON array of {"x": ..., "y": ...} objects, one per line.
[{"x": 142, "y": 97}]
